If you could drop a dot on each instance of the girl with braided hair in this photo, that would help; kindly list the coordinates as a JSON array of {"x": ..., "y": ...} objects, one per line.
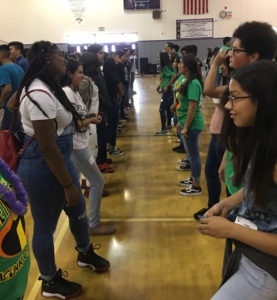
[
  {"x": 47, "y": 171},
  {"x": 190, "y": 120}
]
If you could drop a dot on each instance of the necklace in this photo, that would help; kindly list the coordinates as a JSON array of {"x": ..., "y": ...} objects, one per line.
[{"x": 11, "y": 190}]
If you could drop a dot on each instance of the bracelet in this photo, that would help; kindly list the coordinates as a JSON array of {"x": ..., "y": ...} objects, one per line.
[{"x": 69, "y": 185}]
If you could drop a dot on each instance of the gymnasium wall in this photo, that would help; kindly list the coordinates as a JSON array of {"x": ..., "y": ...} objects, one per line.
[{"x": 30, "y": 20}]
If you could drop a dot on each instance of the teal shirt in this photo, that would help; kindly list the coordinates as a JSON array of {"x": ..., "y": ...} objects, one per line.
[{"x": 194, "y": 93}]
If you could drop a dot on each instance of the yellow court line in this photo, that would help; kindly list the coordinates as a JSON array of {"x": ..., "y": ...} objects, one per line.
[
  {"x": 177, "y": 219},
  {"x": 36, "y": 287}
]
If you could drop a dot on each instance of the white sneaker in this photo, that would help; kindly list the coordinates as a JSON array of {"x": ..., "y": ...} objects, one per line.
[{"x": 191, "y": 191}]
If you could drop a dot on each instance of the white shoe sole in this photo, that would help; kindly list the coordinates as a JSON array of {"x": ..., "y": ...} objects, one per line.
[
  {"x": 184, "y": 184},
  {"x": 189, "y": 194}
]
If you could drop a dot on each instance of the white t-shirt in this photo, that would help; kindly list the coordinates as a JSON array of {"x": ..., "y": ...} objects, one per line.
[
  {"x": 48, "y": 102},
  {"x": 80, "y": 139}
]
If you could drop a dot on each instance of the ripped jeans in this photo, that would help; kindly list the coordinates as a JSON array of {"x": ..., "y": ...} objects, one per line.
[{"x": 47, "y": 200}]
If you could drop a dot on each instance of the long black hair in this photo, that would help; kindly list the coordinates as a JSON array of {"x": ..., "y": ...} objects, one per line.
[
  {"x": 256, "y": 145},
  {"x": 190, "y": 62},
  {"x": 165, "y": 61},
  {"x": 91, "y": 65},
  {"x": 72, "y": 66},
  {"x": 38, "y": 56}
]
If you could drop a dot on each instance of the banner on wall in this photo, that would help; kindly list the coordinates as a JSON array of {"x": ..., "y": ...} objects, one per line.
[
  {"x": 196, "y": 7},
  {"x": 194, "y": 29},
  {"x": 141, "y": 4}
]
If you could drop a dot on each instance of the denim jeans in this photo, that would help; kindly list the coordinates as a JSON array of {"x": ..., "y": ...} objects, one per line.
[
  {"x": 249, "y": 283},
  {"x": 85, "y": 163},
  {"x": 47, "y": 200},
  {"x": 102, "y": 140},
  {"x": 192, "y": 144},
  {"x": 113, "y": 117},
  {"x": 215, "y": 154},
  {"x": 165, "y": 112},
  {"x": 185, "y": 144}
]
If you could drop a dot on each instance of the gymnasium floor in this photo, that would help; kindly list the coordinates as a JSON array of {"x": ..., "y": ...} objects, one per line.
[{"x": 156, "y": 253}]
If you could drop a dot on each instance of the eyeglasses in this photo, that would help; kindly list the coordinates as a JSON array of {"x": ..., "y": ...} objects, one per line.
[
  {"x": 236, "y": 50},
  {"x": 233, "y": 99}
]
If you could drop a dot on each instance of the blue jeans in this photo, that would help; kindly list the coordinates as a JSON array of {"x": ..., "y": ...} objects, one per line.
[
  {"x": 192, "y": 144},
  {"x": 215, "y": 154},
  {"x": 165, "y": 112},
  {"x": 85, "y": 163},
  {"x": 249, "y": 283},
  {"x": 47, "y": 200}
]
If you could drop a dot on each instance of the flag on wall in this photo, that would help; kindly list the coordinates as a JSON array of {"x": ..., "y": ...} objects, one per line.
[{"x": 196, "y": 7}]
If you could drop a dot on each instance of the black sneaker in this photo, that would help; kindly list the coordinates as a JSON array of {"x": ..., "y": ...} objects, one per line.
[
  {"x": 91, "y": 259},
  {"x": 60, "y": 287},
  {"x": 184, "y": 167},
  {"x": 179, "y": 149},
  {"x": 200, "y": 213},
  {"x": 188, "y": 181},
  {"x": 191, "y": 191},
  {"x": 161, "y": 133}
]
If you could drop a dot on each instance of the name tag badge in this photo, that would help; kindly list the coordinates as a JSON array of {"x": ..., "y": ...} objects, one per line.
[{"x": 246, "y": 223}]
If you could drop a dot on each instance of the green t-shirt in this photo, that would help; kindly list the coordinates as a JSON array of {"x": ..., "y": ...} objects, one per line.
[
  {"x": 194, "y": 92},
  {"x": 165, "y": 77},
  {"x": 14, "y": 252},
  {"x": 229, "y": 173}
]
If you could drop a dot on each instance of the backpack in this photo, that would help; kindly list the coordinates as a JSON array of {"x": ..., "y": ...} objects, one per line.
[{"x": 10, "y": 146}]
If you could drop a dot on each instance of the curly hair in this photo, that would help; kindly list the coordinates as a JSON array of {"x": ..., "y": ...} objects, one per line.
[{"x": 257, "y": 37}]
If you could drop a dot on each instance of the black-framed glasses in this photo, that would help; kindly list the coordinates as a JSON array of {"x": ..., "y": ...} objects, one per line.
[
  {"x": 234, "y": 99},
  {"x": 236, "y": 50}
]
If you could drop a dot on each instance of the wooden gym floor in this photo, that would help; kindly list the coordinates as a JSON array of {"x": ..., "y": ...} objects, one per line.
[{"x": 156, "y": 253}]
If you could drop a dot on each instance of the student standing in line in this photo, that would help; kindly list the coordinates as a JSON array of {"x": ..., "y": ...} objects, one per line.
[
  {"x": 16, "y": 54},
  {"x": 81, "y": 156},
  {"x": 11, "y": 75},
  {"x": 167, "y": 77},
  {"x": 250, "y": 130},
  {"x": 191, "y": 121},
  {"x": 46, "y": 169}
]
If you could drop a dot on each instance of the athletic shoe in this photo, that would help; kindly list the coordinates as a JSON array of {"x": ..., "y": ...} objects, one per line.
[
  {"x": 200, "y": 213},
  {"x": 161, "y": 133},
  {"x": 179, "y": 149},
  {"x": 91, "y": 259},
  {"x": 168, "y": 127},
  {"x": 182, "y": 161},
  {"x": 191, "y": 191},
  {"x": 184, "y": 167},
  {"x": 109, "y": 160},
  {"x": 186, "y": 182},
  {"x": 101, "y": 229},
  {"x": 115, "y": 152},
  {"x": 105, "y": 168},
  {"x": 60, "y": 287}
]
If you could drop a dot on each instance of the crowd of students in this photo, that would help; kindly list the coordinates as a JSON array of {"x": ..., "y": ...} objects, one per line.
[
  {"x": 69, "y": 112},
  {"x": 241, "y": 79},
  {"x": 68, "y": 104}
]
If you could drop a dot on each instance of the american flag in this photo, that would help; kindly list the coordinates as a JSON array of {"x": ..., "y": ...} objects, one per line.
[{"x": 195, "y": 7}]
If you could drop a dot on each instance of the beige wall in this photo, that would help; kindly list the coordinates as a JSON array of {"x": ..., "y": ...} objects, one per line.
[{"x": 30, "y": 20}]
